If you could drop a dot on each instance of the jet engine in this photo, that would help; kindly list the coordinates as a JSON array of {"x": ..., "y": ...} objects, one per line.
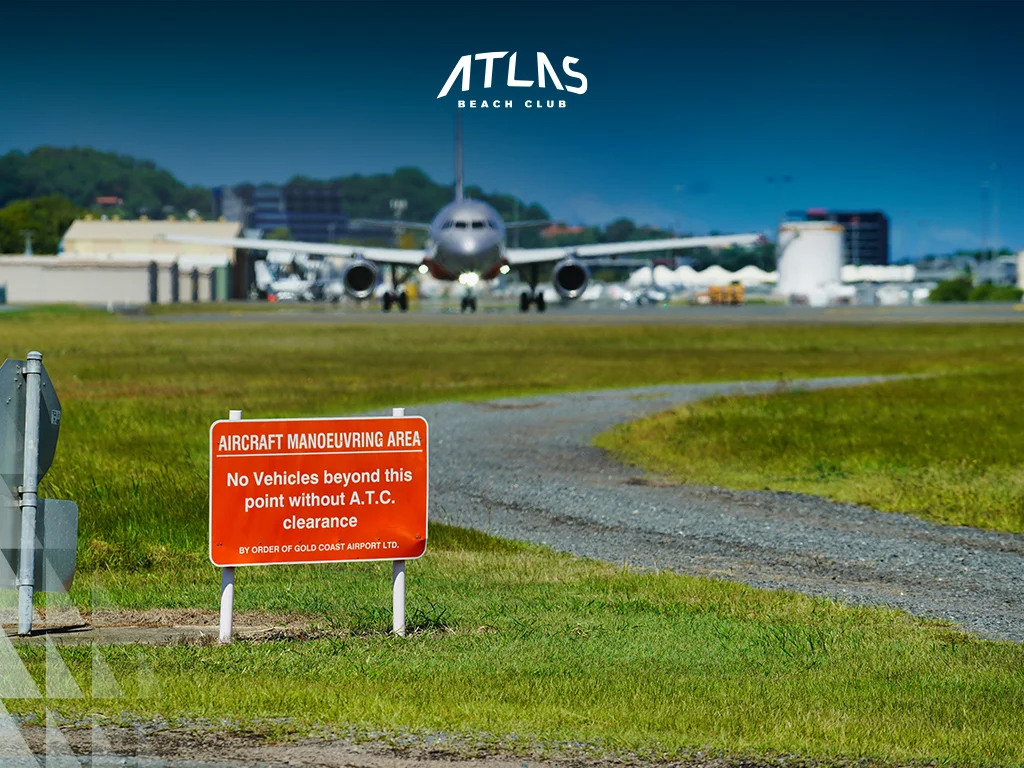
[
  {"x": 570, "y": 277},
  {"x": 359, "y": 278}
]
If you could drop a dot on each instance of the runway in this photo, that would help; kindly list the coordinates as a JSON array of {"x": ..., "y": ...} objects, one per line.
[{"x": 600, "y": 314}]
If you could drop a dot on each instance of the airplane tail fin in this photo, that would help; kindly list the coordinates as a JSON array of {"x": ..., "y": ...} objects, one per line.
[{"x": 458, "y": 155}]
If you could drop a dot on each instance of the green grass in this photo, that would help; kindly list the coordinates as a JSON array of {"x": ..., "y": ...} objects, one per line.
[
  {"x": 525, "y": 645},
  {"x": 511, "y": 640},
  {"x": 948, "y": 449}
]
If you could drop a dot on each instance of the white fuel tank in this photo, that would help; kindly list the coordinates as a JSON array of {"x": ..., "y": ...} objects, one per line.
[{"x": 810, "y": 260}]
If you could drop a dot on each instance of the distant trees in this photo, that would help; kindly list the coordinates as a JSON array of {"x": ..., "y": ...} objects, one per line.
[
  {"x": 82, "y": 175},
  {"x": 762, "y": 256},
  {"x": 64, "y": 179},
  {"x": 48, "y": 218},
  {"x": 963, "y": 289}
]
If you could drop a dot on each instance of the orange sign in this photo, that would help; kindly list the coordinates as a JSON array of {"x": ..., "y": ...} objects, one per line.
[{"x": 288, "y": 491}]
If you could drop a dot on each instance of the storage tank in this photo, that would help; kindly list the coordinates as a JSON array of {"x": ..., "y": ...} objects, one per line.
[{"x": 810, "y": 260}]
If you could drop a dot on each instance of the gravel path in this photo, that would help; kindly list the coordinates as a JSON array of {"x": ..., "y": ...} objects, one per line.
[{"x": 526, "y": 469}]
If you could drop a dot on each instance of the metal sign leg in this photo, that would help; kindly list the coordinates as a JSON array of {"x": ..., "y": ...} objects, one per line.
[
  {"x": 227, "y": 581},
  {"x": 227, "y": 600},
  {"x": 398, "y": 577},
  {"x": 29, "y": 488},
  {"x": 398, "y": 596}
]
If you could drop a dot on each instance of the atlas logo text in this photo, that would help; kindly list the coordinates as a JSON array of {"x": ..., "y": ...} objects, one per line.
[{"x": 544, "y": 71}]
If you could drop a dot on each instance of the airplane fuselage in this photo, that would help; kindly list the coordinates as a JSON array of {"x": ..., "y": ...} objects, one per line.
[{"x": 467, "y": 237}]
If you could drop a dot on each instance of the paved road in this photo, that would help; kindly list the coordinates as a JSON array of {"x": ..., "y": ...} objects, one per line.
[
  {"x": 603, "y": 314},
  {"x": 526, "y": 469}
]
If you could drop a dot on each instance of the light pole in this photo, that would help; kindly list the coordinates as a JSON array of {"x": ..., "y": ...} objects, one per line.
[
  {"x": 995, "y": 210},
  {"x": 855, "y": 256},
  {"x": 777, "y": 182},
  {"x": 984, "y": 219},
  {"x": 398, "y": 207}
]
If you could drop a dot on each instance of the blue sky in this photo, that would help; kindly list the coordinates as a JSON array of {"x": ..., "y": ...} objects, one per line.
[{"x": 689, "y": 107}]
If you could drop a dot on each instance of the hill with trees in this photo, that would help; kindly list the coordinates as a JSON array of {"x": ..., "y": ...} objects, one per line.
[
  {"x": 46, "y": 189},
  {"x": 82, "y": 175}
]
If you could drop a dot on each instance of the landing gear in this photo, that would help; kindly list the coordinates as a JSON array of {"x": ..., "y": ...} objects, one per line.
[
  {"x": 533, "y": 296},
  {"x": 526, "y": 299},
  {"x": 398, "y": 297},
  {"x": 391, "y": 299},
  {"x": 468, "y": 304}
]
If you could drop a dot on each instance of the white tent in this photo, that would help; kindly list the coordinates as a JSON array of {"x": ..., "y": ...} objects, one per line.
[
  {"x": 715, "y": 275},
  {"x": 685, "y": 275},
  {"x": 751, "y": 275},
  {"x": 664, "y": 276},
  {"x": 641, "y": 277},
  {"x": 878, "y": 273}
]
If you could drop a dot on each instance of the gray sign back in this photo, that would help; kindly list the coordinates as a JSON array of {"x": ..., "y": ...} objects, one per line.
[
  {"x": 12, "y": 423},
  {"x": 56, "y": 539}
]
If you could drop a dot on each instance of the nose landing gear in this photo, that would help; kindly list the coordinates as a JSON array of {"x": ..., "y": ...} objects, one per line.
[{"x": 468, "y": 304}]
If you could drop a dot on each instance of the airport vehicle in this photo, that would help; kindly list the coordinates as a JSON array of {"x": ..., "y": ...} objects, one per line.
[
  {"x": 651, "y": 295},
  {"x": 289, "y": 276},
  {"x": 467, "y": 243}
]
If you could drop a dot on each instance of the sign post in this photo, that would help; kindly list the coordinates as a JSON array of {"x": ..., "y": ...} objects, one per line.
[
  {"x": 227, "y": 580},
  {"x": 298, "y": 491},
  {"x": 29, "y": 487},
  {"x": 37, "y": 536},
  {"x": 398, "y": 577}
]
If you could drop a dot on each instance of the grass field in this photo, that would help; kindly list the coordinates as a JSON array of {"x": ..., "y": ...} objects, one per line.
[
  {"x": 948, "y": 449},
  {"x": 514, "y": 641}
]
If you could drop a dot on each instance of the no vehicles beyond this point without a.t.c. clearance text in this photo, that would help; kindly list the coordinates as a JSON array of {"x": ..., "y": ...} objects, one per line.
[{"x": 317, "y": 490}]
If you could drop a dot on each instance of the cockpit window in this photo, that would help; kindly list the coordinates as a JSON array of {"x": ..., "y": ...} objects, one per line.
[
  {"x": 447, "y": 224},
  {"x": 492, "y": 224},
  {"x": 478, "y": 225},
  {"x": 460, "y": 225}
]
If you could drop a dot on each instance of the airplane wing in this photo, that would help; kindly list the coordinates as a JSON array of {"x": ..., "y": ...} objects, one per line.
[
  {"x": 399, "y": 256},
  {"x": 392, "y": 223},
  {"x": 527, "y": 223},
  {"x": 517, "y": 256}
]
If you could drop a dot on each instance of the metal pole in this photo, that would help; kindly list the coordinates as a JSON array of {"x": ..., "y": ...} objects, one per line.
[
  {"x": 29, "y": 487},
  {"x": 995, "y": 211},
  {"x": 398, "y": 577},
  {"x": 398, "y": 597},
  {"x": 227, "y": 581}
]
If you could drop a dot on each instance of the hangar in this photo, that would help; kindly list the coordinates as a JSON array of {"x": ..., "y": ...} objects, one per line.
[
  {"x": 128, "y": 241},
  {"x": 115, "y": 262}
]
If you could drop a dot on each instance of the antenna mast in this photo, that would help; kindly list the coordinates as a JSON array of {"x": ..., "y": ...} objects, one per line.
[{"x": 458, "y": 155}]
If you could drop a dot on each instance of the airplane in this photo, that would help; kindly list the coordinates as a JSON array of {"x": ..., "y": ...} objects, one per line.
[{"x": 467, "y": 243}]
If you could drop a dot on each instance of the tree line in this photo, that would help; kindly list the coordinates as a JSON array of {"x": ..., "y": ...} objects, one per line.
[{"x": 44, "y": 190}]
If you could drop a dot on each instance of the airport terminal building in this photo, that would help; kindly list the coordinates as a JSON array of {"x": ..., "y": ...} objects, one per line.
[
  {"x": 310, "y": 212},
  {"x": 865, "y": 234}
]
